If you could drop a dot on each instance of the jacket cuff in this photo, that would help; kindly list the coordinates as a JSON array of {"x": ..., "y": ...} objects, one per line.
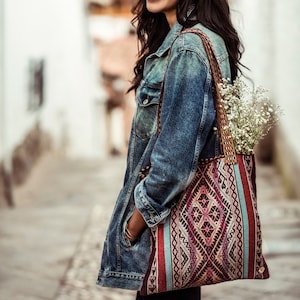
[{"x": 152, "y": 212}]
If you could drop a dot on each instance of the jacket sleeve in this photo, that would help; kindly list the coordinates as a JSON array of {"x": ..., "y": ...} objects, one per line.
[{"x": 187, "y": 116}]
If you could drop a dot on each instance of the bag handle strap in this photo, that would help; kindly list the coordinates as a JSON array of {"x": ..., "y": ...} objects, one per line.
[{"x": 226, "y": 139}]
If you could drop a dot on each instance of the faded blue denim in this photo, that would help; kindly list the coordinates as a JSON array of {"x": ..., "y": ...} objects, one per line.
[{"x": 188, "y": 133}]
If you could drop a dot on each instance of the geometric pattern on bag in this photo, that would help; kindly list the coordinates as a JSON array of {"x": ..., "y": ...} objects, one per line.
[{"x": 213, "y": 233}]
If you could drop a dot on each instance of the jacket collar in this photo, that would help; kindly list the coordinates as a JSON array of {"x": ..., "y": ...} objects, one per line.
[{"x": 169, "y": 40}]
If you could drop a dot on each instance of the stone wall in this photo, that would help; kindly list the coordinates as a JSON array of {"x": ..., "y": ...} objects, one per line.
[
  {"x": 286, "y": 71},
  {"x": 286, "y": 161},
  {"x": 26, "y": 154},
  {"x": 6, "y": 198},
  {"x": 24, "y": 158},
  {"x": 271, "y": 35}
]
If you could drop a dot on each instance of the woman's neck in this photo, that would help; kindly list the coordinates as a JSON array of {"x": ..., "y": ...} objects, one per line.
[{"x": 171, "y": 17}]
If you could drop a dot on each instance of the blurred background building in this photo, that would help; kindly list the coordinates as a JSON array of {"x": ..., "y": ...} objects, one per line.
[
  {"x": 116, "y": 44},
  {"x": 65, "y": 66},
  {"x": 271, "y": 35},
  {"x": 53, "y": 92}
]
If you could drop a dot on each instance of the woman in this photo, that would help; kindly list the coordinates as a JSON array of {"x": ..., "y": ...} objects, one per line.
[{"x": 187, "y": 127}]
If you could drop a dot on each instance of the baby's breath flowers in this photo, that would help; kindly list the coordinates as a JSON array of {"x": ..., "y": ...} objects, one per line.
[{"x": 250, "y": 113}]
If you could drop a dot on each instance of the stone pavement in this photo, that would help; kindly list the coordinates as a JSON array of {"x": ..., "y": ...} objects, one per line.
[{"x": 50, "y": 244}]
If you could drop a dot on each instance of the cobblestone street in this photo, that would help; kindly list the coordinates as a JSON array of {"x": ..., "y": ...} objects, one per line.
[{"x": 50, "y": 244}]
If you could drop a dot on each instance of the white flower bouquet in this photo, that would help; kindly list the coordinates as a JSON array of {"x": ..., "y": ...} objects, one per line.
[{"x": 250, "y": 113}]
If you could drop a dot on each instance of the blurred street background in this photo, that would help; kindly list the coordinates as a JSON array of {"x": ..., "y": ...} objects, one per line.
[{"x": 65, "y": 66}]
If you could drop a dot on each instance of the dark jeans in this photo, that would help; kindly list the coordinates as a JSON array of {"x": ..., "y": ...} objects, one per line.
[{"x": 187, "y": 294}]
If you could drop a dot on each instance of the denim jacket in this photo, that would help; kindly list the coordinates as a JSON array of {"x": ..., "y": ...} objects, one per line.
[{"x": 188, "y": 133}]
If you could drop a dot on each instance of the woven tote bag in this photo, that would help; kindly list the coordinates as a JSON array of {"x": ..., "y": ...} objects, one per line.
[{"x": 213, "y": 234}]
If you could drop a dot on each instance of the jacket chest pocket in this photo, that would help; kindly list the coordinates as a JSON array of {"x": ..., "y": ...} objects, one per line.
[{"x": 145, "y": 120}]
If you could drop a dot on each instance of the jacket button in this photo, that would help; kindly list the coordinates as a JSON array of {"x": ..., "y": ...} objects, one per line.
[{"x": 146, "y": 101}]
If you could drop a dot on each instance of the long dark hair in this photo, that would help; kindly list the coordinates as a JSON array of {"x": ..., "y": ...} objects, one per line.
[{"x": 152, "y": 29}]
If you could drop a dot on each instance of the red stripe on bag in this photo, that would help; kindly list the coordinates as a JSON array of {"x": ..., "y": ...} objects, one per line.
[
  {"x": 162, "y": 284},
  {"x": 251, "y": 218}
]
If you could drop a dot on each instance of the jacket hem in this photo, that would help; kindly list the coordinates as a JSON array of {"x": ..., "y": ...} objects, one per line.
[{"x": 121, "y": 280}]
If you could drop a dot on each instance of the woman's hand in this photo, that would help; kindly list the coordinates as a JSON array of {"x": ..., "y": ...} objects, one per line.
[{"x": 135, "y": 226}]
